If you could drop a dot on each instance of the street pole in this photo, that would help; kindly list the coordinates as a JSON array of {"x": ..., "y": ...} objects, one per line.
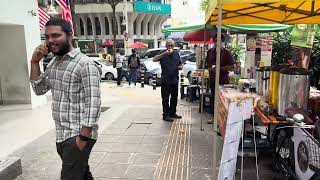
[
  {"x": 114, "y": 31},
  {"x": 218, "y": 51},
  {"x": 127, "y": 27}
]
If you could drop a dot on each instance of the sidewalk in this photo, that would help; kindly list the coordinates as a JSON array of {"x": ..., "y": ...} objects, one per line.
[{"x": 134, "y": 142}]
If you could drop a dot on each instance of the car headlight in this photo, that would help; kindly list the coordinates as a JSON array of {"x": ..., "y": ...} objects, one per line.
[{"x": 158, "y": 75}]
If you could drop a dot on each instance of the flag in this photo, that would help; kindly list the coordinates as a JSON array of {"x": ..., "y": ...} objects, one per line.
[
  {"x": 43, "y": 17},
  {"x": 66, "y": 11}
]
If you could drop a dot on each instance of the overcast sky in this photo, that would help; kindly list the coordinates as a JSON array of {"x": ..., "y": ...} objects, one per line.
[{"x": 189, "y": 14}]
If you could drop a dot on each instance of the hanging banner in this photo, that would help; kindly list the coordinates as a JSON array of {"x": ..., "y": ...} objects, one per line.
[{"x": 302, "y": 35}]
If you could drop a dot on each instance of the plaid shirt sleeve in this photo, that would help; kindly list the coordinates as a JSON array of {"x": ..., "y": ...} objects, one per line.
[
  {"x": 41, "y": 85},
  {"x": 90, "y": 76}
]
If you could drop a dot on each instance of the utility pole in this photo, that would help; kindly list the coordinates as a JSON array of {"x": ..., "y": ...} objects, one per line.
[{"x": 113, "y": 4}]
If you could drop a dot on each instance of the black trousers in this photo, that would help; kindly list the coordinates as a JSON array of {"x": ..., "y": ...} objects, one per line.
[
  {"x": 119, "y": 72},
  {"x": 75, "y": 162},
  {"x": 169, "y": 90}
]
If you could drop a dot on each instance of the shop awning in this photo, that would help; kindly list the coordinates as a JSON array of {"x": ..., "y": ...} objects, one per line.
[
  {"x": 233, "y": 28},
  {"x": 186, "y": 28},
  {"x": 198, "y": 37},
  {"x": 264, "y": 12},
  {"x": 256, "y": 27}
]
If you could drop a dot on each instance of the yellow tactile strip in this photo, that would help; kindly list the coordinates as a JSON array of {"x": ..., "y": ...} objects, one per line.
[{"x": 174, "y": 163}]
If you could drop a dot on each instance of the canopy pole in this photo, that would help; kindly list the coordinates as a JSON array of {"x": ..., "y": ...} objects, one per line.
[
  {"x": 216, "y": 88},
  {"x": 202, "y": 77}
]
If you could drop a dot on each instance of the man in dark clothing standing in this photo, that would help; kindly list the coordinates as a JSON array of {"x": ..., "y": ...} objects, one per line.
[
  {"x": 133, "y": 64},
  {"x": 170, "y": 64},
  {"x": 226, "y": 65}
]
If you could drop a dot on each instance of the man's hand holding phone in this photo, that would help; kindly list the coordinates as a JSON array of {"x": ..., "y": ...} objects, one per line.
[{"x": 40, "y": 52}]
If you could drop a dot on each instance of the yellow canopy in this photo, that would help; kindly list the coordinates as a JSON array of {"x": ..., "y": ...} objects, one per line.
[{"x": 265, "y": 12}]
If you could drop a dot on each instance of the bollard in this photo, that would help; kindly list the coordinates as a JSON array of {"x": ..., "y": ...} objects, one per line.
[
  {"x": 182, "y": 85},
  {"x": 142, "y": 77},
  {"x": 154, "y": 81}
]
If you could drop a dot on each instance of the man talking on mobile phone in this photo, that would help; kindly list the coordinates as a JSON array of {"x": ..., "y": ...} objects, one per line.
[
  {"x": 170, "y": 64},
  {"x": 74, "y": 81}
]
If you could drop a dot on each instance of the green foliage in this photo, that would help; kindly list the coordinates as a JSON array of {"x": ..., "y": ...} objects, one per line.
[
  {"x": 281, "y": 47},
  {"x": 237, "y": 52},
  {"x": 316, "y": 46}
]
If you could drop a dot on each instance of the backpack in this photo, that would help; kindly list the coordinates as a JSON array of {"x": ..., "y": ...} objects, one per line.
[{"x": 133, "y": 62}]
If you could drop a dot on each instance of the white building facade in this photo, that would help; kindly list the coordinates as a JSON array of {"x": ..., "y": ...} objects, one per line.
[
  {"x": 93, "y": 19},
  {"x": 20, "y": 35}
]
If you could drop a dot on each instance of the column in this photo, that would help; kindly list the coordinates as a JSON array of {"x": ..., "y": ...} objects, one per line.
[
  {"x": 77, "y": 21},
  {"x": 91, "y": 17},
  {"x": 159, "y": 23},
  {"x": 131, "y": 18},
  {"x": 85, "y": 25},
  {"x": 109, "y": 16},
  {"x": 138, "y": 22},
  {"x": 151, "y": 24},
  {"x": 118, "y": 24},
  {"x": 145, "y": 24},
  {"x": 102, "y": 24}
]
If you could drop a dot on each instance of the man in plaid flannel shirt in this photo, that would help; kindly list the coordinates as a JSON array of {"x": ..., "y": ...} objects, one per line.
[{"x": 74, "y": 81}]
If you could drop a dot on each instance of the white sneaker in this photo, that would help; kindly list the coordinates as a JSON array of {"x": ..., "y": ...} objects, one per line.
[{"x": 132, "y": 86}]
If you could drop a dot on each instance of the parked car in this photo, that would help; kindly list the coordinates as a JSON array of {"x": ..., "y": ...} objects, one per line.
[
  {"x": 185, "y": 55},
  {"x": 150, "y": 53},
  {"x": 108, "y": 72},
  {"x": 189, "y": 66},
  {"x": 151, "y": 69}
]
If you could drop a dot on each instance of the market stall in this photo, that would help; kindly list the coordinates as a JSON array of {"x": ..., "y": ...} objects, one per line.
[{"x": 229, "y": 12}]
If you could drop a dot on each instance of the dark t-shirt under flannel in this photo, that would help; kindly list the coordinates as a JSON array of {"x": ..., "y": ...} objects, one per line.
[{"x": 169, "y": 65}]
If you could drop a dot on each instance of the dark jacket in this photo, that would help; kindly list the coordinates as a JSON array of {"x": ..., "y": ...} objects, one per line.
[{"x": 129, "y": 60}]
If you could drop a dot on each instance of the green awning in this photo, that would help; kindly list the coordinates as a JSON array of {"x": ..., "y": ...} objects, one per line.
[
  {"x": 186, "y": 28},
  {"x": 233, "y": 28},
  {"x": 256, "y": 27}
]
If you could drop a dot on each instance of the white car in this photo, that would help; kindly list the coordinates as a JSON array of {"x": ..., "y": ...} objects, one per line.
[
  {"x": 188, "y": 67},
  {"x": 108, "y": 72}
]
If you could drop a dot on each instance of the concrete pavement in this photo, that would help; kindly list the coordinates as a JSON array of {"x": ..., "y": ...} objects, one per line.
[{"x": 134, "y": 141}]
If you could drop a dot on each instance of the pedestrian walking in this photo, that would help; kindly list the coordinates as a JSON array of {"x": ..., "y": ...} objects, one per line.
[
  {"x": 170, "y": 64},
  {"x": 74, "y": 81},
  {"x": 119, "y": 64},
  {"x": 133, "y": 64}
]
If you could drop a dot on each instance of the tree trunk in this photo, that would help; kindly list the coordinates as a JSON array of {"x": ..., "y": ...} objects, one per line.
[{"x": 114, "y": 31}]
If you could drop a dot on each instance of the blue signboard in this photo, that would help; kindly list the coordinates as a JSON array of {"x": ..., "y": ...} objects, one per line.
[{"x": 150, "y": 7}]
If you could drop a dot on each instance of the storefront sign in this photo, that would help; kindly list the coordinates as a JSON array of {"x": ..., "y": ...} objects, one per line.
[
  {"x": 303, "y": 35},
  {"x": 149, "y": 7}
]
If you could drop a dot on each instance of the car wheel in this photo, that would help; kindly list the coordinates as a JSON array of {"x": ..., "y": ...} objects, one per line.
[{"x": 109, "y": 76}]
